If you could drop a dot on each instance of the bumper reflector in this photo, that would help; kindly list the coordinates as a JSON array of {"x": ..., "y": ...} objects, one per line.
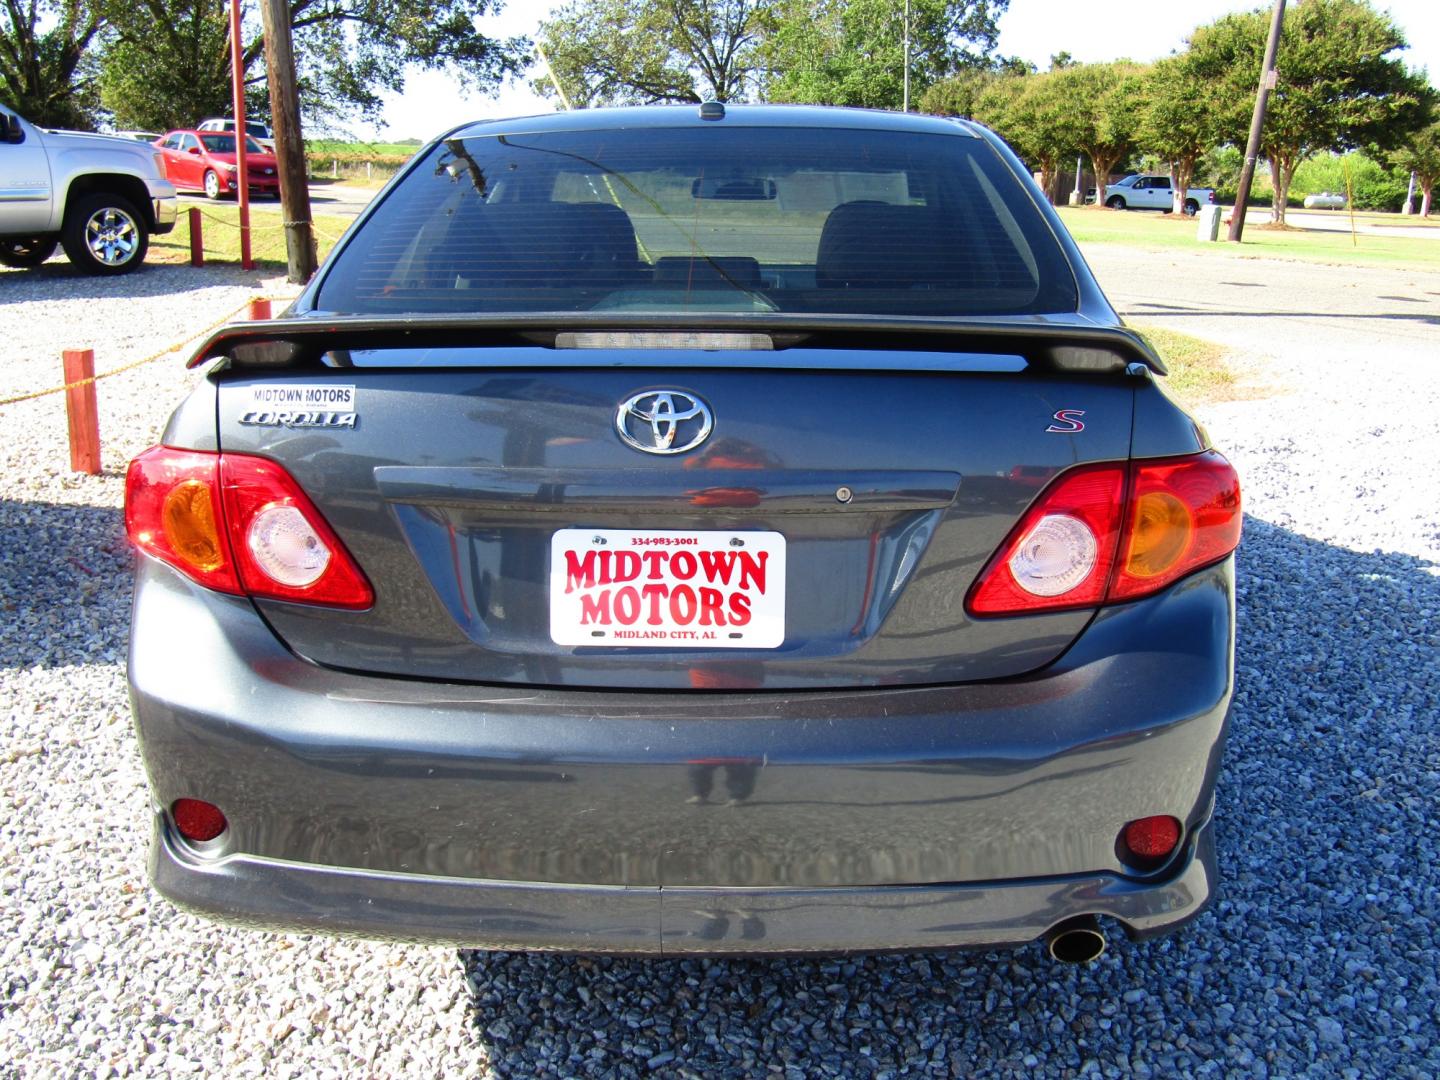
[
  {"x": 197, "y": 820},
  {"x": 1152, "y": 838}
]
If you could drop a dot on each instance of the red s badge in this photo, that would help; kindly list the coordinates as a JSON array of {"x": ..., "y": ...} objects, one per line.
[{"x": 1067, "y": 422}]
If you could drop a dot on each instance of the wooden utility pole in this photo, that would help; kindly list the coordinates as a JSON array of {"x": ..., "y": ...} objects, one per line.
[
  {"x": 1257, "y": 123},
  {"x": 289, "y": 145}
]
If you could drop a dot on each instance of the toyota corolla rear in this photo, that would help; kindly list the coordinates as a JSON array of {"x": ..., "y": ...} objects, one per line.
[{"x": 675, "y": 531}]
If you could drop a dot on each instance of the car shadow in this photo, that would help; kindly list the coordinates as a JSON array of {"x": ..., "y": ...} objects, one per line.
[{"x": 1326, "y": 909}]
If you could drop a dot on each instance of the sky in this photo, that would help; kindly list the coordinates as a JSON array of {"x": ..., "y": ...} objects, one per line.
[{"x": 1034, "y": 30}]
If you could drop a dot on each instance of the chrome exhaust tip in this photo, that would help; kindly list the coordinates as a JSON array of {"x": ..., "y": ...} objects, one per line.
[{"x": 1076, "y": 941}]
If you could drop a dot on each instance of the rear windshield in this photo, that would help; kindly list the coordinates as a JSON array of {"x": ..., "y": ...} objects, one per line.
[{"x": 737, "y": 219}]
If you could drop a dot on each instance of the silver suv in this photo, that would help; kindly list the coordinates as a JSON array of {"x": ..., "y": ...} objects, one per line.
[{"x": 100, "y": 197}]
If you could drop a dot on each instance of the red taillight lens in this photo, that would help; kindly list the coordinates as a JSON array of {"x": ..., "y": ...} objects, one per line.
[
  {"x": 285, "y": 548},
  {"x": 238, "y": 524},
  {"x": 1152, "y": 523},
  {"x": 1152, "y": 838},
  {"x": 197, "y": 820},
  {"x": 1060, "y": 554}
]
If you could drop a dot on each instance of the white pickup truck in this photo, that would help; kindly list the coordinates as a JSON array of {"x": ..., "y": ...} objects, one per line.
[
  {"x": 1139, "y": 192},
  {"x": 99, "y": 196}
]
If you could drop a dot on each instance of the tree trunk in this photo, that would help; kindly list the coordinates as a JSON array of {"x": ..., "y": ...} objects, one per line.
[
  {"x": 1047, "y": 180},
  {"x": 1181, "y": 173},
  {"x": 1102, "y": 167},
  {"x": 1426, "y": 192},
  {"x": 1282, "y": 171}
]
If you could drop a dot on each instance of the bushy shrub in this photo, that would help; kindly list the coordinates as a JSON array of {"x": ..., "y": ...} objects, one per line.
[{"x": 1371, "y": 186}]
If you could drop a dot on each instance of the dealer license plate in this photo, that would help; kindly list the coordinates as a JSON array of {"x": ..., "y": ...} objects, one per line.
[{"x": 667, "y": 589}]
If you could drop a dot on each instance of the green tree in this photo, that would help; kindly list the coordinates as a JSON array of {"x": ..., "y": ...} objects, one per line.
[
  {"x": 1340, "y": 86},
  {"x": 625, "y": 52},
  {"x": 1421, "y": 155},
  {"x": 1106, "y": 101},
  {"x": 1178, "y": 122},
  {"x": 959, "y": 94},
  {"x": 1032, "y": 114},
  {"x": 852, "y": 52},
  {"x": 168, "y": 67},
  {"x": 167, "y": 63},
  {"x": 46, "y": 72}
]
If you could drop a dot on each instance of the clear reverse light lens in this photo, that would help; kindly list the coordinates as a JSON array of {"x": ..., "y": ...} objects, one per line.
[
  {"x": 1055, "y": 556},
  {"x": 286, "y": 547}
]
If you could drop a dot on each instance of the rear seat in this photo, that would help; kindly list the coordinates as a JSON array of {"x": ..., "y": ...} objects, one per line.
[
  {"x": 714, "y": 272},
  {"x": 876, "y": 245},
  {"x": 525, "y": 246}
]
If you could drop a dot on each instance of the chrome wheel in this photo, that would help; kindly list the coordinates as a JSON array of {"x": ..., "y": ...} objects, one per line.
[
  {"x": 111, "y": 236},
  {"x": 212, "y": 185}
]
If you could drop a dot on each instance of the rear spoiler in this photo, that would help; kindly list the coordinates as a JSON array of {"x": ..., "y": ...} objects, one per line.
[{"x": 1067, "y": 344}]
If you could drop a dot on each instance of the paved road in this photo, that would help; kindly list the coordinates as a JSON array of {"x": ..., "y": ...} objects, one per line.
[
  {"x": 1274, "y": 308},
  {"x": 326, "y": 197},
  {"x": 1339, "y": 221}
]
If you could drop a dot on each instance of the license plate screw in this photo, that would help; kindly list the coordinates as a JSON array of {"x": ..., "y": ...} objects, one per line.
[
  {"x": 735, "y": 541},
  {"x": 843, "y": 494}
]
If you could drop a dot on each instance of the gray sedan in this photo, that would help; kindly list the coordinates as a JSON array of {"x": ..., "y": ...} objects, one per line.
[{"x": 675, "y": 530}]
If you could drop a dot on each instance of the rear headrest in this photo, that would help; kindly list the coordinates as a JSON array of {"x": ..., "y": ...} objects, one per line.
[
  {"x": 875, "y": 245},
  {"x": 544, "y": 244}
]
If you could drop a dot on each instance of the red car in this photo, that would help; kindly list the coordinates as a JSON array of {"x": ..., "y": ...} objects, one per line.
[{"x": 205, "y": 161}]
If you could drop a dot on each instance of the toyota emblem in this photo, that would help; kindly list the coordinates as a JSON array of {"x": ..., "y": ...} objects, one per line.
[{"x": 664, "y": 421}]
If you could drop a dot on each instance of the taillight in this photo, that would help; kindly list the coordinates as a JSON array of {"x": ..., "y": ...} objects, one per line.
[
  {"x": 1060, "y": 554},
  {"x": 1210, "y": 198},
  {"x": 238, "y": 524},
  {"x": 1108, "y": 533},
  {"x": 1184, "y": 513},
  {"x": 172, "y": 512},
  {"x": 285, "y": 549}
]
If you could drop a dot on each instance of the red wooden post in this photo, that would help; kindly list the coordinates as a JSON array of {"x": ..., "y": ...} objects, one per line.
[
  {"x": 197, "y": 239},
  {"x": 259, "y": 309},
  {"x": 242, "y": 174},
  {"x": 81, "y": 411}
]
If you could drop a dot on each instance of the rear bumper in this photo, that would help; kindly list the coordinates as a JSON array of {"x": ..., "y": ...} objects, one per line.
[
  {"x": 683, "y": 822},
  {"x": 671, "y": 921}
]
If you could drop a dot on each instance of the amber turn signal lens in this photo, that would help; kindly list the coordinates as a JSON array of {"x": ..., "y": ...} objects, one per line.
[
  {"x": 188, "y": 519},
  {"x": 1159, "y": 534}
]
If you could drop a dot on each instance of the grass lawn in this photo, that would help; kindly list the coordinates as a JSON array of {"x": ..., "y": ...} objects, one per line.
[
  {"x": 1160, "y": 232},
  {"x": 337, "y": 146},
  {"x": 221, "y": 231},
  {"x": 1198, "y": 371}
]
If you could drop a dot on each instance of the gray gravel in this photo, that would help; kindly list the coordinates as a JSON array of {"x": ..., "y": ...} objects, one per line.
[{"x": 1320, "y": 958}]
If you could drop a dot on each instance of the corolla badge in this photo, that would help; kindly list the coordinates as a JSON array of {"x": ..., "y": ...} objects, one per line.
[{"x": 664, "y": 421}]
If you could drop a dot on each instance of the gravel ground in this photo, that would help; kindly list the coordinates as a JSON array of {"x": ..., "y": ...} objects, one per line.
[{"x": 1320, "y": 958}]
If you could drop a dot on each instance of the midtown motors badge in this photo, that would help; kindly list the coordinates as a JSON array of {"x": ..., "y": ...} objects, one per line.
[{"x": 324, "y": 405}]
